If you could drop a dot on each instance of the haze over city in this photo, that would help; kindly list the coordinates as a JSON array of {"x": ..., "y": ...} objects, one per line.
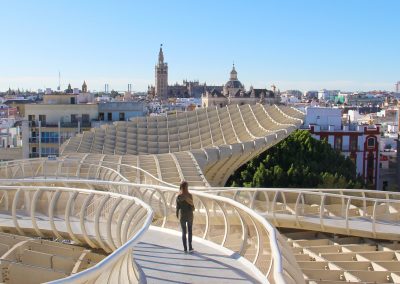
[{"x": 346, "y": 45}]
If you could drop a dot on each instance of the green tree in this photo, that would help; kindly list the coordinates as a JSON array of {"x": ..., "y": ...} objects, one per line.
[{"x": 298, "y": 161}]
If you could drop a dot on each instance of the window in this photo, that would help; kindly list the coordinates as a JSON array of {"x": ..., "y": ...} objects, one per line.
[
  {"x": 101, "y": 116},
  {"x": 72, "y": 100},
  {"x": 122, "y": 116},
  {"x": 33, "y": 138},
  {"x": 370, "y": 168},
  {"x": 85, "y": 120},
  {"x": 42, "y": 119},
  {"x": 31, "y": 117},
  {"x": 109, "y": 116},
  {"x": 74, "y": 118},
  {"x": 353, "y": 143},
  {"x": 49, "y": 137},
  {"x": 371, "y": 142},
  {"x": 338, "y": 143}
]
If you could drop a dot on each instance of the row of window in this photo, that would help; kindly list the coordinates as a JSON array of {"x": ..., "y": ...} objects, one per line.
[
  {"x": 45, "y": 151},
  {"x": 49, "y": 151},
  {"x": 50, "y": 137},
  {"x": 352, "y": 146},
  {"x": 74, "y": 118},
  {"x": 338, "y": 143},
  {"x": 121, "y": 116}
]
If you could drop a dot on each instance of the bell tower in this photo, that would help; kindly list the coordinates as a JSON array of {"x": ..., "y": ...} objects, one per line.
[
  {"x": 161, "y": 76},
  {"x": 84, "y": 87}
]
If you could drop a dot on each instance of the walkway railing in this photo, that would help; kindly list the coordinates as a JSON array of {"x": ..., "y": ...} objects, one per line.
[
  {"x": 59, "y": 169},
  {"x": 74, "y": 167},
  {"x": 364, "y": 213},
  {"x": 62, "y": 213},
  {"x": 217, "y": 219}
]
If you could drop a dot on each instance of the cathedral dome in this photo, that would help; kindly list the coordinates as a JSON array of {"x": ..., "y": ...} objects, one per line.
[{"x": 233, "y": 82}]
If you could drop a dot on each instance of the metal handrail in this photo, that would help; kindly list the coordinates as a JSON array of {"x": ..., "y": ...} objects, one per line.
[
  {"x": 319, "y": 192},
  {"x": 123, "y": 251},
  {"x": 161, "y": 182},
  {"x": 369, "y": 220},
  {"x": 42, "y": 162},
  {"x": 210, "y": 207},
  {"x": 276, "y": 215},
  {"x": 145, "y": 173}
]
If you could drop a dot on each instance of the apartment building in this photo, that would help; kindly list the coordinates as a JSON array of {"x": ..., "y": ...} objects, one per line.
[
  {"x": 54, "y": 121},
  {"x": 359, "y": 142}
]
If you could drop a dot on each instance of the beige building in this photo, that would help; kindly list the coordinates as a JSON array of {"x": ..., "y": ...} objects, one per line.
[
  {"x": 54, "y": 121},
  {"x": 66, "y": 99}
]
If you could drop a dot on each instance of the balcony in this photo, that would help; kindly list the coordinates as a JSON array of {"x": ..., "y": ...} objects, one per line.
[{"x": 84, "y": 124}]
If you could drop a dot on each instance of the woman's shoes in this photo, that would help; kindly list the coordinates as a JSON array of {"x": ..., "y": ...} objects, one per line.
[{"x": 191, "y": 250}]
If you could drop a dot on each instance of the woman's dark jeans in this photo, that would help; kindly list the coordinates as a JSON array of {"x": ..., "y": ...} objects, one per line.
[{"x": 187, "y": 223}]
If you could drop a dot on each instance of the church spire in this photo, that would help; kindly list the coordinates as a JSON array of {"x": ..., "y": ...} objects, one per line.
[
  {"x": 233, "y": 73},
  {"x": 84, "y": 87},
  {"x": 161, "y": 56}
]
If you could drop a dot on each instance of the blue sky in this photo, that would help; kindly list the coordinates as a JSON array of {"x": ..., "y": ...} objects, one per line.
[{"x": 343, "y": 44}]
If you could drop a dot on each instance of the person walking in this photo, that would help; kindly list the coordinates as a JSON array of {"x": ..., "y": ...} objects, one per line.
[{"x": 185, "y": 206}]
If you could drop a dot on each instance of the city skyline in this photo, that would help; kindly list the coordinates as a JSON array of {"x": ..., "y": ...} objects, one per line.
[{"x": 308, "y": 45}]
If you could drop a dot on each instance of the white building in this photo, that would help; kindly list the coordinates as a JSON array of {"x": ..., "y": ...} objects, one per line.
[
  {"x": 289, "y": 99},
  {"x": 9, "y": 135},
  {"x": 358, "y": 142},
  {"x": 327, "y": 95},
  {"x": 324, "y": 117}
]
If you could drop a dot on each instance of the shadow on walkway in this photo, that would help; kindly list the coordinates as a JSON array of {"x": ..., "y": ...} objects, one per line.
[{"x": 162, "y": 260}]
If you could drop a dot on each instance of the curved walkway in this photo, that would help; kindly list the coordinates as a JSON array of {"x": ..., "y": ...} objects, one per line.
[
  {"x": 203, "y": 147},
  {"x": 160, "y": 256}
]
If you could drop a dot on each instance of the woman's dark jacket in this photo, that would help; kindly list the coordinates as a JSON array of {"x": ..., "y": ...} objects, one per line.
[{"x": 184, "y": 203}]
